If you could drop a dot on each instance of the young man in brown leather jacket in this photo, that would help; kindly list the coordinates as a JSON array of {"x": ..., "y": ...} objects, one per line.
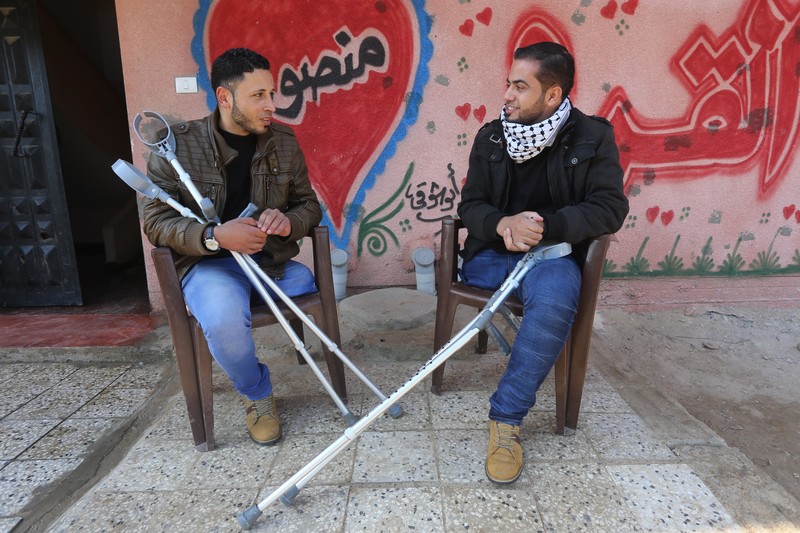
[{"x": 235, "y": 156}]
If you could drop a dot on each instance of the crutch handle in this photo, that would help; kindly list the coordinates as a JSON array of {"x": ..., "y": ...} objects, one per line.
[{"x": 249, "y": 211}]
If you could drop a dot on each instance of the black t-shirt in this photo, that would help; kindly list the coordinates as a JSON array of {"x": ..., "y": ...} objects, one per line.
[
  {"x": 529, "y": 189},
  {"x": 238, "y": 184}
]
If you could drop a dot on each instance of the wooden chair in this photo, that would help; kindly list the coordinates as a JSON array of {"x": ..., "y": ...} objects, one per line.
[
  {"x": 570, "y": 368},
  {"x": 191, "y": 350}
]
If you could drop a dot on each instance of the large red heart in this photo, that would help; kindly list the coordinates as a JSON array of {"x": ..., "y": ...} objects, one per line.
[{"x": 347, "y": 114}]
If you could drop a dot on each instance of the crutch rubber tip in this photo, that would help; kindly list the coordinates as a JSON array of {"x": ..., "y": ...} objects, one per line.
[
  {"x": 248, "y": 517},
  {"x": 287, "y": 498},
  {"x": 395, "y": 411},
  {"x": 350, "y": 418}
]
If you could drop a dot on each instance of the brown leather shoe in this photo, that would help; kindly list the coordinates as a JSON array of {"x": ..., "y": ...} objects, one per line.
[
  {"x": 504, "y": 460},
  {"x": 262, "y": 420}
]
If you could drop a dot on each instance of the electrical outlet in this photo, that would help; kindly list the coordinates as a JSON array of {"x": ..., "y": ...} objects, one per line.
[{"x": 186, "y": 84}]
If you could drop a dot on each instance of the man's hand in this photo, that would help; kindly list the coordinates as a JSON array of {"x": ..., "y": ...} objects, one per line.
[
  {"x": 240, "y": 235},
  {"x": 274, "y": 222},
  {"x": 522, "y": 231}
]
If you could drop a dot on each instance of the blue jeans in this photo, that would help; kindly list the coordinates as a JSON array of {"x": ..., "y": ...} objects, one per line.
[
  {"x": 549, "y": 294},
  {"x": 218, "y": 294}
]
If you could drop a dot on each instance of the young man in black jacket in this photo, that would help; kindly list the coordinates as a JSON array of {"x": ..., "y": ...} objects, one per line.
[{"x": 543, "y": 172}]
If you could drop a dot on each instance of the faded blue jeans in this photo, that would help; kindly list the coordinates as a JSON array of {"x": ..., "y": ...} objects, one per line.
[
  {"x": 218, "y": 294},
  {"x": 549, "y": 294}
]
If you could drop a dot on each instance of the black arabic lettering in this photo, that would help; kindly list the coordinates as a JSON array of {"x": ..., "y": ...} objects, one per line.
[{"x": 332, "y": 72}]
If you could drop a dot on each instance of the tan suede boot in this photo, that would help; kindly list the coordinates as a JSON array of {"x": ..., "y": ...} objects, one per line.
[
  {"x": 262, "y": 420},
  {"x": 504, "y": 460}
]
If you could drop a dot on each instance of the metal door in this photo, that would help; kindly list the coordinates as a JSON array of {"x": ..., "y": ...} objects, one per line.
[{"x": 37, "y": 257}]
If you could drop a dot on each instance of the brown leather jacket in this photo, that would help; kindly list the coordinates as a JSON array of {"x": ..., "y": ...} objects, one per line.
[{"x": 279, "y": 181}]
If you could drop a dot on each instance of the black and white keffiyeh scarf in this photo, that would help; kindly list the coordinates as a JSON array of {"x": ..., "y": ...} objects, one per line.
[{"x": 524, "y": 141}]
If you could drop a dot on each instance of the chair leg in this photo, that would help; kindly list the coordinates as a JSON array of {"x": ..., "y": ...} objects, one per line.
[
  {"x": 577, "y": 376},
  {"x": 483, "y": 342},
  {"x": 335, "y": 367},
  {"x": 442, "y": 333},
  {"x": 562, "y": 386},
  {"x": 297, "y": 326},
  {"x": 191, "y": 392},
  {"x": 203, "y": 366}
]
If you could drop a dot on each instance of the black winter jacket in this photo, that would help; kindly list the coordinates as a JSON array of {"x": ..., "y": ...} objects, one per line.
[{"x": 583, "y": 172}]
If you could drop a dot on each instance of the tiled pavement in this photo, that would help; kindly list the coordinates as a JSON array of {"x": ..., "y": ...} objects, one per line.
[{"x": 642, "y": 466}]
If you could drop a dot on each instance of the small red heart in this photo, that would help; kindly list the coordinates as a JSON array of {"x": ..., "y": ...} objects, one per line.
[
  {"x": 485, "y": 16},
  {"x": 652, "y": 213},
  {"x": 466, "y": 28},
  {"x": 667, "y": 216},
  {"x": 609, "y": 10},
  {"x": 629, "y": 7},
  {"x": 787, "y": 211},
  {"x": 463, "y": 111},
  {"x": 480, "y": 113}
]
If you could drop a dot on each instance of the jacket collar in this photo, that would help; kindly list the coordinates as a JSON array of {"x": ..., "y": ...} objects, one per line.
[{"x": 224, "y": 153}]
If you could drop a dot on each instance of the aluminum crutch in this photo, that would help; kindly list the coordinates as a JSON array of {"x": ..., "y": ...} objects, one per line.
[{"x": 289, "y": 489}]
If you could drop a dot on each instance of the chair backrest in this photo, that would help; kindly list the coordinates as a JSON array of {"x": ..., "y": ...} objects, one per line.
[{"x": 590, "y": 288}]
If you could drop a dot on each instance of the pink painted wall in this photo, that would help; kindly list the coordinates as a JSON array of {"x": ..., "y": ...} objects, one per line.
[{"x": 387, "y": 95}]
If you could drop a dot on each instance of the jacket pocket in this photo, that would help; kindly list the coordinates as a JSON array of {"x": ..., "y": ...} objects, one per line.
[
  {"x": 278, "y": 187},
  {"x": 579, "y": 153}
]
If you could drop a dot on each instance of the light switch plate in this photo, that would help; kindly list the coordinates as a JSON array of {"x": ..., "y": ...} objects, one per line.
[{"x": 187, "y": 84}]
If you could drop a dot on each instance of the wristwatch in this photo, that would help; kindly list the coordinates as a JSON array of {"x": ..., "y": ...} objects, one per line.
[{"x": 209, "y": 241}]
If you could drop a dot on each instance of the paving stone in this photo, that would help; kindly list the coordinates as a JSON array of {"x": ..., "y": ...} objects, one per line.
[
  {"x": 394, "y": 456},
  {"x": 20, "y": 481},
  {"x": 670, "y": 498},
  {"x": 579, "y": 497},
  {"x": 394, "y": 509},
  {"x": 17, "y": 435},
  {"x": 490, "y": 509},
  {"x": 70, "y": 439}
]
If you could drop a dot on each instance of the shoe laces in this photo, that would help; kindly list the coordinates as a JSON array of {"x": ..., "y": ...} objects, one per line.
[
  {"x": 263, "y": 407},
  {"x": 505, "y": 438}
]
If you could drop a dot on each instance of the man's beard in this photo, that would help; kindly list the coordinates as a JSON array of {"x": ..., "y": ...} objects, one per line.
[{"x": 243, "y": 122}]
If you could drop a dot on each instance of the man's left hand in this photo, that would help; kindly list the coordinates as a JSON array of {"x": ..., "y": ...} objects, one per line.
[{"x": 274, "y": 222}]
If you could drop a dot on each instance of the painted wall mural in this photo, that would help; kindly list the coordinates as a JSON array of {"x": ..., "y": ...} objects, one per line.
[{"x": 386, "y": 96}]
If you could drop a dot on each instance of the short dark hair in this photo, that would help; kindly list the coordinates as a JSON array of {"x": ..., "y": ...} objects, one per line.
[
  {"x": 556, "y": 65},
  {"x": 229, "y": 68}
]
